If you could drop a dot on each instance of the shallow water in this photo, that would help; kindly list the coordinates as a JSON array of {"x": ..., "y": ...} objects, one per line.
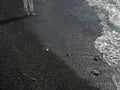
[
  {"x": 70, "y": 27},
  {"x": 108, "y": 43}
]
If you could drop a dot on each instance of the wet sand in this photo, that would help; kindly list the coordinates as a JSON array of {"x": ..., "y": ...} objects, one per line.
[{"x": 67, "y": 31}]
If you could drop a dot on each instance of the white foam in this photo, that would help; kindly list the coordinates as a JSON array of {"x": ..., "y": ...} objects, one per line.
[{"x": 109, "y": 42}]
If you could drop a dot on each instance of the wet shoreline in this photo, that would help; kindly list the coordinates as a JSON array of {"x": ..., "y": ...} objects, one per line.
[{"x": 49, "y": 52}]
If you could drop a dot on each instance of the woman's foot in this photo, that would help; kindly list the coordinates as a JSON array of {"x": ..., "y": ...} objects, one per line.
[
  {"x": 33, "y": 14},
  {"x": 28, "y": 13}
]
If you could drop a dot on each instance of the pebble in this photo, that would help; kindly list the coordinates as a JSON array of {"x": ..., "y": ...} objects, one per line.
[
  {"x": 95, "y": 72},
  {"x": 97, "y": 58},
  {"x": 47, "y": 49},
  {"x": 33, "y": 79},
  {"x": 18, "y": 78},
  {"x": 68, "y": 55}
]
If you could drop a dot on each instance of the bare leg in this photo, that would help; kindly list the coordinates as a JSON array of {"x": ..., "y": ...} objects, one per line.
[
  {"x": 26, "y": 5},
  {"x": 31, "y": 6}
]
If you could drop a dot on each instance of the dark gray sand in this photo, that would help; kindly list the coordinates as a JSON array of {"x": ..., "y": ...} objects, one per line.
[{"x": 53, "y": 50}]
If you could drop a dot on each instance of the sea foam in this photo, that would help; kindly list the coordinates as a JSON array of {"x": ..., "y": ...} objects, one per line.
[{"x": 108, "y": 43}]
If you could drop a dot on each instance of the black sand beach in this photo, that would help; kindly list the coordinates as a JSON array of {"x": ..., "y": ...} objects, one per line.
[{"x": 53, "y": 50}]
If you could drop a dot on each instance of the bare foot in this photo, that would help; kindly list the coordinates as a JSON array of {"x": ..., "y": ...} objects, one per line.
[
  {"x": 33, "y": 14},
  {"x": 28, "y": 14}
]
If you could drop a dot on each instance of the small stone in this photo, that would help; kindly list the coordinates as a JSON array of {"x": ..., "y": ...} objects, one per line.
[
  {"x": 97, "y": 58},
  {"x": 68, "y": 55},
  {"x": 18, "y": 78},
  {"x": 33, "y": 79},
  {"x": 95, "y": 72},
  {"x": 47, "y": 49},
  {"x": 22, "y": 86},
  {"x": 46, "y": 80},
  {"x": 42, "y": 79},
  {"x": 24, "y": 74}
]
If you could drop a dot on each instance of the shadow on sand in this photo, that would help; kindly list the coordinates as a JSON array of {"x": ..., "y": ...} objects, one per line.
[
  {"x": 6, "y": 21},
  {"x": 26, "y": 66}
]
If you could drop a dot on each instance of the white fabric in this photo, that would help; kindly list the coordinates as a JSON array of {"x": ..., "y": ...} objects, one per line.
[{"x": 28, "y": 5}]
